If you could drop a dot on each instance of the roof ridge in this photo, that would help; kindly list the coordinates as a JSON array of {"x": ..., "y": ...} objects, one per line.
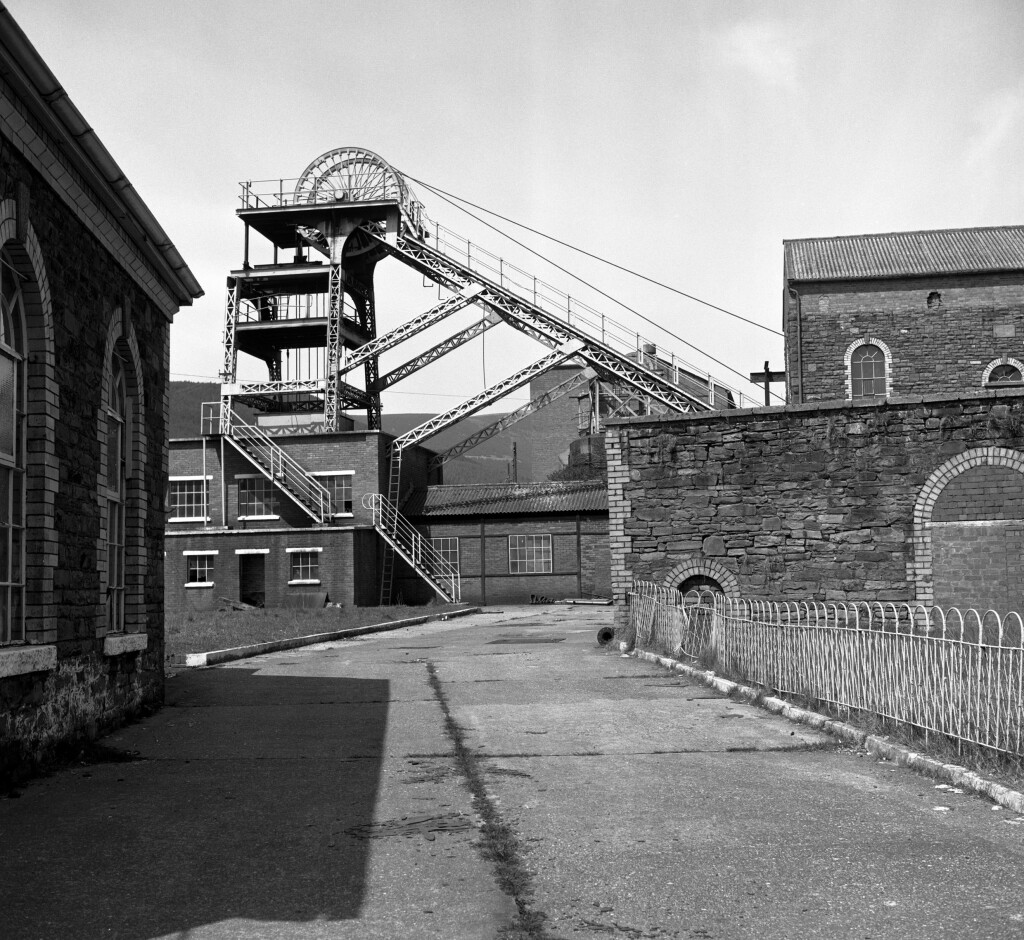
[{"x": 922, "y": 231}]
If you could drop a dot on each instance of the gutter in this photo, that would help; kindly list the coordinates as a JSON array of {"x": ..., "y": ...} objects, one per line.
[{"x": 94, "y": 159}]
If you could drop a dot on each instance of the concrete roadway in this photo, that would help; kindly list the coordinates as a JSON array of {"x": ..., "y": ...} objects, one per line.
[{"x": 316, "y": 793}]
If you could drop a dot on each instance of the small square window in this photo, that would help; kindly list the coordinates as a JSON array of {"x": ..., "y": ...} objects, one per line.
[
  {"x": 257, "y": 496},
  {"x": 529, "y": 554},
  {"x": 199, "y": 569},
  {"x": 305, "y": 566},
  {"x": 448, "y": 549},
  {"x": 187, "y": 499},
  {"x": 339, "y": 485}
]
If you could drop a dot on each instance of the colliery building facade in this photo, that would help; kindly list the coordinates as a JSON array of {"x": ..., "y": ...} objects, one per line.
[
  {"x": 897, "y": 471},
  {"x": 88, "y": 285}
]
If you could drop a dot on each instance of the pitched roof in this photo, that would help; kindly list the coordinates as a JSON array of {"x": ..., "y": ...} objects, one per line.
[
  {"x": 505, "y": 499},
  {"x": 906, "y": 254}
]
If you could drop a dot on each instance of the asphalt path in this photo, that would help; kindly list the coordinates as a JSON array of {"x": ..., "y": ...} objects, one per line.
[{"x": 360, "y": 788}]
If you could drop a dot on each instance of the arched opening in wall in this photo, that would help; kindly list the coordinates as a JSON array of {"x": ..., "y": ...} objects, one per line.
[
  {"x": 700, "y": 583},
  {"x": 977, "y": 540}
]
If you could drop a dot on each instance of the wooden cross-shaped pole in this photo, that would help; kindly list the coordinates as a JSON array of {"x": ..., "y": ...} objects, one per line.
[{"x": 767, "y": 377}]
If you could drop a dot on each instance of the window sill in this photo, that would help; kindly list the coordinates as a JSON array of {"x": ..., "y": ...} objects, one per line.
[
  {"x": 21, "y": 660},
  {"x": 116, "y": 644},
  {"x": 190, "y": 519},
  {"x": 342, "y": 515},
  {"x": 310, "y": 581},
  {"x": 256, "y": 518},
  {"x": 199, "y": 584}
]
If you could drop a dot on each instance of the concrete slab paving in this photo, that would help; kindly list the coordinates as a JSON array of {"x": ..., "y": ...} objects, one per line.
[{"x": 316, "y": 793}]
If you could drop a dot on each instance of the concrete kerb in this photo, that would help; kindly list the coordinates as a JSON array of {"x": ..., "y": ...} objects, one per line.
[
  {"x": 217, "y": 657},
  {"x": 948, "y": 773}
]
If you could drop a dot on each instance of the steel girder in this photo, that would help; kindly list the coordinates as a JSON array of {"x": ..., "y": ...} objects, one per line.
[
  {"x": 531, "y": 319},
  {"x": 438, "y": 423},
  {"x": 333, "y": 335},
  {"x": 411, "y": 327},
  {"x": 583, "y": 377},
  {"x": 441, "y": 349},
  {"x": 227, "y": 373}
]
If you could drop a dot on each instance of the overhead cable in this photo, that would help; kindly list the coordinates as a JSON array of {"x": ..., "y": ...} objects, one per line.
[{"x": 593, "y": 287}]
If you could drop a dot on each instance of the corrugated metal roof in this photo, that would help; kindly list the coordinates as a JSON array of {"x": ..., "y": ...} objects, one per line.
[
  {"x": 902, "y": 254},
  {"x": 492, "y": 499}
]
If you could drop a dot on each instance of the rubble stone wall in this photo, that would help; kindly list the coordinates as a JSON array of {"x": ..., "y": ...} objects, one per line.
[{"x": 826, "y": 502}]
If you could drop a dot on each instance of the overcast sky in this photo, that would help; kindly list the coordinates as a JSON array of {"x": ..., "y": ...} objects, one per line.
[{"x": 684, "y": 140}]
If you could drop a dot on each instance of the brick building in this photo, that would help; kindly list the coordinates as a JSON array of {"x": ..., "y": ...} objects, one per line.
[
  {"x": 89, "y": 283},
  {"x": 895, "y": 473},
  {"x": 232, "y": 533},
  {"x": 517, "y": 542}
]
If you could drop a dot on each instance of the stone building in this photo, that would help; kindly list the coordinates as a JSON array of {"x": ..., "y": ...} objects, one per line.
[
  {"x": 89, "y": 283},
  {"x": 896, "y": 472}
]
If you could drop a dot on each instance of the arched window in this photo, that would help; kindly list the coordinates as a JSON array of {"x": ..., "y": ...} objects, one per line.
[
  {"x": 1005, "y": 371},
  {"x": 117, "y": 423},
  {"x": 12, "y": 454},
  {"x": 867, "y": 372}
]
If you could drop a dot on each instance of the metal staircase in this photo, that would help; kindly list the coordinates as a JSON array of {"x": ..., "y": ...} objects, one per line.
[
  {"x": 271, "y": 460},
  {"x": 403, "y": 540}
]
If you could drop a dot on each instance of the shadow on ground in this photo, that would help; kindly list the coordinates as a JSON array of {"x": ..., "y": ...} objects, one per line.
[{"x": 236, "y": 802}]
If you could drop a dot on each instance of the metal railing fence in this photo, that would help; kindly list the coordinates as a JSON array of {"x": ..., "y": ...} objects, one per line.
[{"x": 955, "y": 673}]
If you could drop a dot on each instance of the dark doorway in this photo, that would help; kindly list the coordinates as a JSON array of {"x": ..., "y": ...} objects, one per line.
[
  {"x": 252, "y": 575},
  {"x": 700, "y": 584}
]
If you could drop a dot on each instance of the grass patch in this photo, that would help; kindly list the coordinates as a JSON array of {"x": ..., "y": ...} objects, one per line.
[
  {"x": 500, "y": 843},
  {"x": 203, "y": 631}
]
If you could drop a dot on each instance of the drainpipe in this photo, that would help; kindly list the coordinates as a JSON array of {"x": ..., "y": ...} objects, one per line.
[{"x": 799, "y": 343}]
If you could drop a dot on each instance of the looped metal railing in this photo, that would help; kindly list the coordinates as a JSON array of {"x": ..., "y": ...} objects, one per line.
[
  {"x": 958, "y": 673},
  {"x": 417, "y": 550}
]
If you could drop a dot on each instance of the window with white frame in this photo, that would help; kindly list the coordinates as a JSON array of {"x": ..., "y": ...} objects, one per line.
[
  {"x": 1004, "y": 372},
  {"x": 199, "y": 568},
  {"x": 448, "y": 549},
  {"x": 187, "y": 498},
  {"x": 529, "y": 554},
  {"x": 117, "y": 420},
  {"x": 257, "y": 498},
  {"x": 339, "y": 484},
  {"x": 867, "y": 372},
  {"x": 304, "y": 564},
  {"x": 12, "y": 454}
]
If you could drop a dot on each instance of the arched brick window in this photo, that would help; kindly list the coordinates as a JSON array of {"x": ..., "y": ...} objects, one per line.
[
  {"x": 12, "y": 453},
  {"x": 122, "y": 545},
  {"x": 1003, "y": 372},
  {"x": 867, "y": 372}
]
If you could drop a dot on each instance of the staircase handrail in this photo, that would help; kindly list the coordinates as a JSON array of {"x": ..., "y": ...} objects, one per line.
[
  {"x": 419, "y": 552},
  {"x": 281, "y": 467},
  {"x": 610, "y": 332}
]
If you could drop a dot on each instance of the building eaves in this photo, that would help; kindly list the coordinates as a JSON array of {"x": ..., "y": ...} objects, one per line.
[
  {"x": 479, "y": 499},
  {"x": 37, "y": 86},
  {"x": 989, "y": 250}
]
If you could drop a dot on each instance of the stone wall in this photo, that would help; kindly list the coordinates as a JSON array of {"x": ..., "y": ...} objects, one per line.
[
  {"x": 941, "y": 332},
  {"x": 825, "y": 502}
]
